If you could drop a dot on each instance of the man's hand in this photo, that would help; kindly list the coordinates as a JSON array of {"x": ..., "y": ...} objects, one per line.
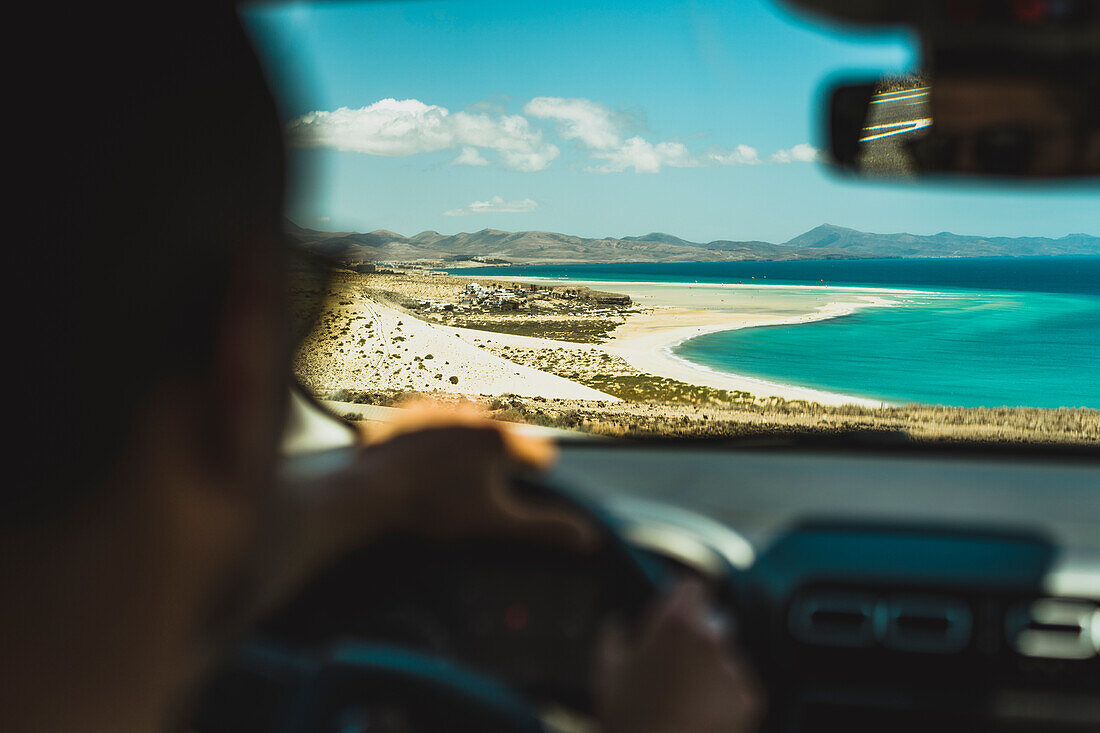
[
  {"x": 435, "y": 473},
  {"x": 678, "y": 675},
  {"x": 447, "y": 475},
  {"x": 419, "y": 415},
  {"x": 440, "y": 473}
]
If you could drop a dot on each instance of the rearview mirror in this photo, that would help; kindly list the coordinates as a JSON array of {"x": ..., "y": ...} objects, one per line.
[
  {"x": 966, "y": 125},
  {"x": 1008, "y": 89}
]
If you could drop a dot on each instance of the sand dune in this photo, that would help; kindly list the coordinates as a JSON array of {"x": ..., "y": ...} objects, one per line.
[
  {"x": 647, "y": 341},
  {"x": 366, "y": 345}
]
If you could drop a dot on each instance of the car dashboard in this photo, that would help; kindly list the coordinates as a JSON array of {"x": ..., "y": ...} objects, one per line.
[
  {"x": 887, "y": 590},
  {"x": 874, "y": 587}
]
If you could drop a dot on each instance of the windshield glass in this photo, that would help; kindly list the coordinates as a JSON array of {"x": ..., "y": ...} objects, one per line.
[{"x": 614, "y": 218}]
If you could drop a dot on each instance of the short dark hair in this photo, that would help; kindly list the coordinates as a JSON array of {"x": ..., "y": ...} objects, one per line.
[{"x": 148, "y": 158}]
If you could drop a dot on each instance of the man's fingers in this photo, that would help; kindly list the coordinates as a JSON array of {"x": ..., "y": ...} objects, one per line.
[
  {"x": 749, "y": 694},
  {"x": 419, "y": 415},
  {"x": 682, "y": 612},
  {"x": 465, "y": 470},
  {"x": 545, "y": 522},
  {"x": 678, "y": 673},
  {"x": 536, "y": 452}
]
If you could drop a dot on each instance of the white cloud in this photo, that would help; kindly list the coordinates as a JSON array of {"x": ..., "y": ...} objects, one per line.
[
  {"x": 529, "y": 162},
  {"x": 740, "y": 155},
  {"x": 470, "y": 156},
  {"x": 579, "y": 119},
  {"x": 324, "y": 218},
  {"x": 388, "y": 127},
  {"x": 398, "y": 128},
  {"x": 503, "y": 132},
  {"x": 597, "y": 128},
  {"x": 644, "y": 157},
  {"x": 801, "y": 153},
  {"x": 495, "y": 205}
]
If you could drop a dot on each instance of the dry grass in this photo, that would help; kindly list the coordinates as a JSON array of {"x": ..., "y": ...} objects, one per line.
[
  {"x": 677, "y": 420},
  {"x": 656, "y": 406}
]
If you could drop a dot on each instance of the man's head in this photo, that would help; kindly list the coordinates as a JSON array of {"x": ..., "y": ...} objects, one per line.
[{"x": 149, "y": 346}]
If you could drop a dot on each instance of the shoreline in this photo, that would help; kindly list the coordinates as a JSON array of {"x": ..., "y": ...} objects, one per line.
[
  {"x": 573, "y": 358},
  {"x": 623, "y": 285},
  {"x": 369, "y": 347},
  {"x": 647, "y": 342},
  {"x": 376, "y": 346}
]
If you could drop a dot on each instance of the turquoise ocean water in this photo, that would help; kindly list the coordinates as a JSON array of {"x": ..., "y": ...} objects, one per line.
[{"x": 982, "y": 332}]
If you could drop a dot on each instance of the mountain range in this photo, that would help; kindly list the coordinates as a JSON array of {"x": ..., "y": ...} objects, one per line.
[{"x": 827, "y": 241}]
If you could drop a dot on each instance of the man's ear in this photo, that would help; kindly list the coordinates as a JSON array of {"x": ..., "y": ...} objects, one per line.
[{"x": 249, "y": 378}]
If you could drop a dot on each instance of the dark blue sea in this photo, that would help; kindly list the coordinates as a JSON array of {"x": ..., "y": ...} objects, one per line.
[{"x": 980, "y": 331}]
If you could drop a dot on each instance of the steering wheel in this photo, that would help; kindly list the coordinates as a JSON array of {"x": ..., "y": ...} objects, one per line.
[{"x": 410, "y": 635}]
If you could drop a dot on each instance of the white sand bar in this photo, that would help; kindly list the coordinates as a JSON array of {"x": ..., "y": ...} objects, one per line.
[
  {"x": 405, "y": 353},
  {"x": 680, "y": 311},
  {"x": 402, "y": 352},
  {"x": 647, "y": 342}
]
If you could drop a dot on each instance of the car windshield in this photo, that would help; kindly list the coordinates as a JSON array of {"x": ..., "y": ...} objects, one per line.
[{"x": 615, "y": 218}]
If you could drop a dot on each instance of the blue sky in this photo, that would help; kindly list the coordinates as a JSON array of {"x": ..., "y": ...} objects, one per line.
[{"x": 597, "y": 119}]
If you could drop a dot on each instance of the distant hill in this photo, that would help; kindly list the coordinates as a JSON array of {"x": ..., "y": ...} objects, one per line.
[
  {"x": 662, "y": 238},
  {"x": 831, "y": 238},
  {"x": 827, "y": 241}
]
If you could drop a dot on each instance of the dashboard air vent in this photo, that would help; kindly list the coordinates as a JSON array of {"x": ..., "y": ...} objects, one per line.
[
  {"x": 927, "y": 624},
  {"x": 835, "y": 618},
  {"x": 1053, "y": 628},
  {"x": 901, "y": 622}
]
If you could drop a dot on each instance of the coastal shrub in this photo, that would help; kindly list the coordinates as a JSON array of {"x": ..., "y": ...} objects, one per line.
[
  {"x": 521, "y": 414},
  {"x": 358, "y": 397},
  {"x": 454, "y": 380},
  {"x": 637, "y": 420},
  {"x": 570, "y": 419}
]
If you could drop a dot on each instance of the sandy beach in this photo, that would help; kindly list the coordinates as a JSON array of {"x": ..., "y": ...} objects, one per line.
[
  {"x": 647, "y": 343},
  {"x": 580, "y": 364},
  {"x": 486, "y": 362},
  {"x": 363, "y": 344},
  {"x": 675, "y": 312}
]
